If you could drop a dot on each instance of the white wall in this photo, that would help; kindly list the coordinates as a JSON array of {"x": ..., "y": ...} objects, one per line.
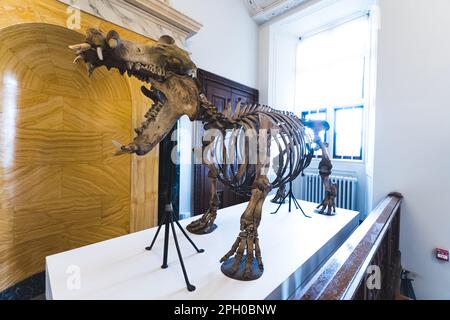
[
  {"x": 264, "y": 58},
  {"x": 412, "y": 143},
  {"x": 228, "y": 42},
  {"x": 284, "y": 55},
  {"x": 226, "y": 45}
]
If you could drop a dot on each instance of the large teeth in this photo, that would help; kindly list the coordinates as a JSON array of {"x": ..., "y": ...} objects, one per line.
[
  {"x": 100, "y": 53},
  {"x": 112, "y": 43},
  {"x": 81, "y": 47},
  {"x": 117, "y": 144},
  {"x": 78, "y": 58},
  {"x": 90, "y": 68},
  {"x": 143, "y": 71}
]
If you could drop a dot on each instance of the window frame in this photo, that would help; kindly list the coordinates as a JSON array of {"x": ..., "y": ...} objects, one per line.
[
  {"x": 364, "y": 103},
  {"x": 361, "y": 150},
  {"x": 317, "y": 111}
]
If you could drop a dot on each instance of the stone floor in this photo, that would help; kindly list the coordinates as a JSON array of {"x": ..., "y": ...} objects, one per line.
[{"x": 32, "y": 288}]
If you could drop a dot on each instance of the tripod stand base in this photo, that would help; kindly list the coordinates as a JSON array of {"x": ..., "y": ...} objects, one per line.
[
  {"x": 207, "y": 230},
  {"x": 191, "y": 288},
  {"x": 169, "y": 223},
  {"x": 255, "y": 273}
]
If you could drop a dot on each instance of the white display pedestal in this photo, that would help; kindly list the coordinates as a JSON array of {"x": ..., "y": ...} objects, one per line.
[{"x": 292, "y": 246}]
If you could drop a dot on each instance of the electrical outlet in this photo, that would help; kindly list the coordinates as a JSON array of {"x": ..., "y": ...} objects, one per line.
[{"x": 442, "y": 254}]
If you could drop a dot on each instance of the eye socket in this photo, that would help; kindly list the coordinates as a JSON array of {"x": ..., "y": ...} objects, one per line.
[{"x": 174, "y": 60}]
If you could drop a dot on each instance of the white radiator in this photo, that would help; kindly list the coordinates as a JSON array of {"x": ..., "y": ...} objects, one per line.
[{"x": 312, "y": 190}]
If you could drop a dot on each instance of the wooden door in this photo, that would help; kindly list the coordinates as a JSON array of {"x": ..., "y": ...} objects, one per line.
[{"x": 218, "y": 90}]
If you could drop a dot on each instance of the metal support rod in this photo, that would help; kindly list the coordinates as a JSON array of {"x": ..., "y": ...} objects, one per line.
[
  {"x": 290, "y": 194},
  {"x": 168, "y": 222},
  {"x": 166, "y": 243},
  {"x": 189, "y": 286},
  {"x": 156, "y": 235},
  {"x": 189, "y": 239}
]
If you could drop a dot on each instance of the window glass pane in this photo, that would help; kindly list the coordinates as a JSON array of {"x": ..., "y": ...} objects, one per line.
[
  {"x": 348, "y": 133},
  {"x": 316, "y": 115},
  {"x": 330, "y": 66}
]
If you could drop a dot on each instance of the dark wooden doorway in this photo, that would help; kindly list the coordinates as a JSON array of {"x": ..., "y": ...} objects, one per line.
[{"x": 218, "y": 90}]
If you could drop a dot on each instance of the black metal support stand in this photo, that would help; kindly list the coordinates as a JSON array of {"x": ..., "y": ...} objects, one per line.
[
  {"x": 168, "y": 221},
  {"x": 290, "y": 195}
]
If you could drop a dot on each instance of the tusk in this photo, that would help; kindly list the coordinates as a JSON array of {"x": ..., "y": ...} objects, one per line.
[
  {"x": 112, "y": 43},
  {"x": 117, "y": 144},
  {"x": 90, "y": 68},
  {"x": 81, "y": 47},
  {"x": 121, "y": 149},
  {"x": 78, "y": 58},
  {"x": 100, "y": 53}
]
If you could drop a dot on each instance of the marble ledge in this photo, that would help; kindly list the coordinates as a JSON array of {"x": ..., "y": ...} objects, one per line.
[
  {"x": 150, "y": 18},
  {"x": 263, "y": 11}
]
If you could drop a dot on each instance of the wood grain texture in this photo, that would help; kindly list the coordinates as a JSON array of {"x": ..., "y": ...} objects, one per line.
[
  {"x": 374, "y": 243},
  {"x": 40, "y": 219},
  {"x": 60, "y": 185},
  {"x": 144, "y": 188},
  {"x": 6, "y": 228}
]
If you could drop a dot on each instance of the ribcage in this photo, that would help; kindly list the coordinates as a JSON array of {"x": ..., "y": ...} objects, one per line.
[{"x": 259, "y": 139}]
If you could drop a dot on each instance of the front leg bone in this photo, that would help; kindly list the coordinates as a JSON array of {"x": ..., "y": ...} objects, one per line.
[
  {"x": 205, "y": 224},
  {"x": 325, "y": 167},
  {"x": 328, "y": 204},
  {"x": 247, "y": 243}
]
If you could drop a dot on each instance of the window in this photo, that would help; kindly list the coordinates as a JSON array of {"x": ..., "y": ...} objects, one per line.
[
  {"x": 348, "y": 133},
  {"x": 316, "y": 115},
  {"x": 331, "y": 67}
]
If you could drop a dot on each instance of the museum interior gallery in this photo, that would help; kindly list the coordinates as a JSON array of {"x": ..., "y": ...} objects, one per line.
[{"x": 224, "y": 150}]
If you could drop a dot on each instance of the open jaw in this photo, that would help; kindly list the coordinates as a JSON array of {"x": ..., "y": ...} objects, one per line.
[
  {"x": 148, "y": 63},
  {"x": 147, "y": 73},
  {"x": 166, "y": 68}
]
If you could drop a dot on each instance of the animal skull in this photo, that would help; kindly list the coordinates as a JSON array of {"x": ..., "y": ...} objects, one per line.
[{"x": 164, "y": 66}]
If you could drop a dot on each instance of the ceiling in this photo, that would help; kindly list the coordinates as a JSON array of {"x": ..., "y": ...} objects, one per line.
[{"x": 265, "y": 10}]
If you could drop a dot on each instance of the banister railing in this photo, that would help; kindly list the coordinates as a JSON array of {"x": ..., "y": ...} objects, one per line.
[{"x": 367, "y": 266}]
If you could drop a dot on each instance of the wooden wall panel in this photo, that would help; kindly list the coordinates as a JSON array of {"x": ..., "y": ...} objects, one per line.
[
  {"x": 40, "y": 146},
  {"x": 39, "y": 219},
  {"x": 91, "y": 179},
  {"x": 144, "y": 171},
  {"x": 60, "y": 185},
  {"x": 28, "y": 183},
  {"x": 6, "y": 228}
]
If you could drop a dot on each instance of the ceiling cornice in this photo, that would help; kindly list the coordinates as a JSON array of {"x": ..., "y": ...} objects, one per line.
[
  {"x": 262, "y": 11},
  {"x": 151, "y": 18}
]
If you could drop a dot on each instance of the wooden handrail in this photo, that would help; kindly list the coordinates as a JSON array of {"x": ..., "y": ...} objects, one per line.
[{"x": 374, "y": 243}]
